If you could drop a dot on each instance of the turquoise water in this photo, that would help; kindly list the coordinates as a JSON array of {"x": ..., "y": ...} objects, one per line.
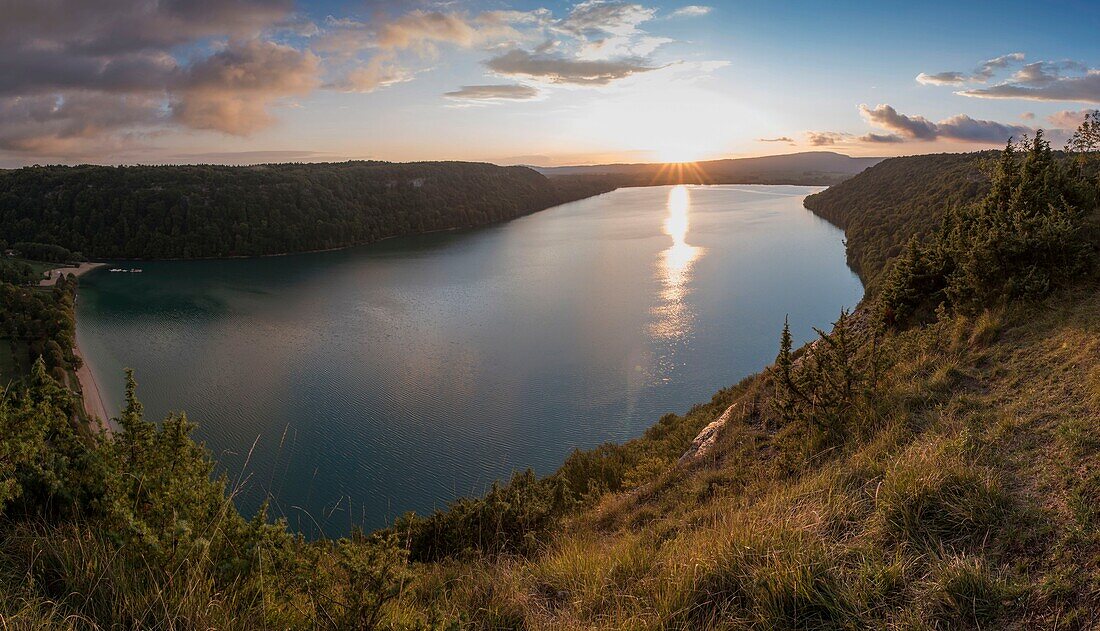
[{"x": 352, "y": 386}]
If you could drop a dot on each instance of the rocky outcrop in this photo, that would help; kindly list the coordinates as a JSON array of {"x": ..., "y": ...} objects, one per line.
[{"x": 704, "y": 442}]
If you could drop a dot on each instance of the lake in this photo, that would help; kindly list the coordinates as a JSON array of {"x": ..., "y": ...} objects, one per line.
[{"x": 355, "y": 385}]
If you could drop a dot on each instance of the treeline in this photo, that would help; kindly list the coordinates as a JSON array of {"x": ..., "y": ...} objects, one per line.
[
  {"x": 39, "y": 322},
  {"x": 1027, "y": 237},
  {"x": 43, "y": 252},
  {"x": 217, "y": 211},
  {"x": 898, "y": 198}
]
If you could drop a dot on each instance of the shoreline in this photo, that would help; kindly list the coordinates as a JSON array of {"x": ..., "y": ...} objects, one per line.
[{"x": 90, "y": 395}]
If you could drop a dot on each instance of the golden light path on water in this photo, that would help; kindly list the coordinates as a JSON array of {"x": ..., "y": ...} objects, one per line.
[{"x": 673, "y": 316}]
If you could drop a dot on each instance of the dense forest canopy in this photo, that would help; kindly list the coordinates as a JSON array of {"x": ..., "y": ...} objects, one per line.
[
  {"x": 216, "y": 211},
  {"x": 897, "y": 199}
]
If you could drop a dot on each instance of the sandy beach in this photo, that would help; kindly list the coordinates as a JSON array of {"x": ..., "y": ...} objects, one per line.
[
  {"x": 89, "y": 389},
  {"x": 79, "y": 270},
  {"x": 93, "y": 399}
]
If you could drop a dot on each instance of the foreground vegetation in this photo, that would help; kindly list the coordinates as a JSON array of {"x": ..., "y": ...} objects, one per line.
[{"x": 930, "y": 462}]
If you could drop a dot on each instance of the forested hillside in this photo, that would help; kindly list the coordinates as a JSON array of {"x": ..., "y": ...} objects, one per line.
[
  {"x": 898, "y": 199},
  {"x": 216, "y": 211},
  {"x": 930, "y": 462}
]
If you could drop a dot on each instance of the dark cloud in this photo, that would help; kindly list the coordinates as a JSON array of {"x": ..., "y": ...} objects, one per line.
[
  {"x": 825, "y": 138},
  {"x": 56, "y": 125},
  {"x": 881, "y": 138},
  {"x": 73, "y": 70},
  {"x": 1081, "y": 89},
  {"x": 507, "y": 92},
  {"x": 960, "y": 127},
  {"x": 110, "y": 27},
  {"x": 555, "y": 69},
  {"x": 915, "y": 127}
]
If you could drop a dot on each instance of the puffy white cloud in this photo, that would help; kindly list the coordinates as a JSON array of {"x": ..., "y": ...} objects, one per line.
[
  {"x": 942, "y": 78},
  {"x": 691, "y": 11},
  {"x": 1069, "y": 119}
]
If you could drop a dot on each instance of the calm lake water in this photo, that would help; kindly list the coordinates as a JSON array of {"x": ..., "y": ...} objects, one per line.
[{"x": 353, "y": 386}]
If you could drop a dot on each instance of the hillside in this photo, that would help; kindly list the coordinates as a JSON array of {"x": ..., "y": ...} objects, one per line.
[
  {"x": 933, "y": 472},
  {"x": 807, "y": 168},
  {"x": 216, "y": 211},
  {"x": 897, "y": 199}
]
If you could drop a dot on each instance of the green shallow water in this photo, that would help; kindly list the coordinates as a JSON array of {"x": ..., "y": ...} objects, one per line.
[{"x": 352, "y": 386}]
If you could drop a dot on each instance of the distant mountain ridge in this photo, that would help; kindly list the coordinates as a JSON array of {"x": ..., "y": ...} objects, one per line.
[{"x": 810, "y": 167}]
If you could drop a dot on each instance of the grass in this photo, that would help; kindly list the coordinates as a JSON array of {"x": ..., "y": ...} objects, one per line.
[
  {"x": 964, "y": 502},
  {"x": 962, "y": 498}
]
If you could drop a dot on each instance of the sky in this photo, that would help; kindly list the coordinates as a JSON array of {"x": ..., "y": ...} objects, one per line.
[{"x": 527, "y": 82}]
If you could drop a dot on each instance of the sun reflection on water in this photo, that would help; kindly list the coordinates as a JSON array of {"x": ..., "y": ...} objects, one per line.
[{"x": 674, "y": 269}]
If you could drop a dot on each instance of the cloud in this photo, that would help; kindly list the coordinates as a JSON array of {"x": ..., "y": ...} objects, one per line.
[
  {"x": 885, "y": 116},
  {"x": 1028, "y": 116},
  {"x": 596, "y": 17},
  {"x": 825, "y": 138},
  {"x": 48, "y": 124},
  {"x": 942, "y": 78},
  {"x": 960, "y": 127},
  {"x": 881, "y": 138},
  {"x": 230, "y": 90},
  {"x": 491, "y": 93},
  {"x": 1081, "y": 89},
  {"x": 691, "y": 11},
  {"x": 1069, "y": 119},
  {"x": 990, "y": 67},
  {"x": 1065, "y": 80},
  {"x": 561, "y": 70},
  {"x": 75, "y": 73},
  {"x": 778, "y": 139},
  {"x": 984, "y": 72},
  {"x": 421, "y": 31},
  {"x": 379, "y": 72}
]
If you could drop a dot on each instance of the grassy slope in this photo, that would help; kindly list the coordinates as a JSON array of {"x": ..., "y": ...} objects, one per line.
[{"x": 965, "y": 497}]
